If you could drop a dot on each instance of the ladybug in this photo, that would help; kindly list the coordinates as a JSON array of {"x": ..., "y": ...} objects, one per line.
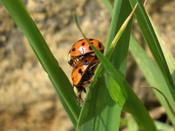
[
  {"x": 82, "y": 49},
  {"x": 82, "y": 74}
]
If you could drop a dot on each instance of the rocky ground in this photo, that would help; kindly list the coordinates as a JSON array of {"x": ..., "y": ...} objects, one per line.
[{"x": 28, "y": 101}]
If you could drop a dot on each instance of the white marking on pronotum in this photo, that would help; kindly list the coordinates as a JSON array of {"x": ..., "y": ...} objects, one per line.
[{"x": 82, "y": 50}]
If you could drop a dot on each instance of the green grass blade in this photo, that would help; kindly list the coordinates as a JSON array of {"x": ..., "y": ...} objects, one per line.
[
  {"x": 74, "y": 121},
  {"x": 118, "y": 50},
  {"x": 114, "y": 90},
  {"x": 153, "y": 76},
  {"x": 133, "y": 104},
  {"x": 99, "y": 112},
  {"x": 152, "y": 41},
  {"x": 116, "y": 22},
  {"x": 119, "y": 56},
  {"x": 109, "y": 6},
  {"x": 122, "y": 29},
  {"x": 20, "y": 15},
  {"x": 169, "y": 57}
]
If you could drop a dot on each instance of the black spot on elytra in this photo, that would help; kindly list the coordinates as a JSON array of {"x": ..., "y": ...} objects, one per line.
[
  {"x": 83, "y": 43},
  {"x": 90, "y": 48},
  {"x": 99, "y": 45},
  {"x": 86, "y": 62},
  {"x": 73, "y": 49},
  {"x": 80, "y": 71},
  {"x": 91, "y": 39}
]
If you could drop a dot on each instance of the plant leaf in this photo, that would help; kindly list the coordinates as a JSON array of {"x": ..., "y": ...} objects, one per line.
[
  {"x": 99, "y": 112},
  {"x": 114, "y": 90},
  {"x": 153, "y": 76},
  {"x": 153, "y": 43}
]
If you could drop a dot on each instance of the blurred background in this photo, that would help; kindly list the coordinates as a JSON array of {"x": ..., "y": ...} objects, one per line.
[{"x": 28, "y": 102}]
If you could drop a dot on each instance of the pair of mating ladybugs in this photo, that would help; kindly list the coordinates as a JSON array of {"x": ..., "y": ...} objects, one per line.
[{"x": 84, "y": 62}]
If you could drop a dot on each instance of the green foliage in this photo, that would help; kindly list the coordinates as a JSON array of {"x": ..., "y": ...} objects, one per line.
[
  {"x": 111, "y": 94},
  {"x": 153, "y": 76},
  {"x": 153, "y": 43}
]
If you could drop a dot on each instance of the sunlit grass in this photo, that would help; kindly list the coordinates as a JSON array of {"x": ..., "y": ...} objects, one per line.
[{"x": 111, "y": 94}]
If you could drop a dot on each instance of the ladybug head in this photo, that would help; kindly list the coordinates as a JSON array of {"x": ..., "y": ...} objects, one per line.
[{"x": 70, "y": 62}]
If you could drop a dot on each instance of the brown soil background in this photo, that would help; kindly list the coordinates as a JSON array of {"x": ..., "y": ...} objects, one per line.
[{"x": 28, "y": 101}]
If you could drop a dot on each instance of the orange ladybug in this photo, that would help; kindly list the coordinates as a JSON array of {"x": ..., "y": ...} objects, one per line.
[
  {"x": 82, "y": 49},
  {"x": 82, "y": 73}
]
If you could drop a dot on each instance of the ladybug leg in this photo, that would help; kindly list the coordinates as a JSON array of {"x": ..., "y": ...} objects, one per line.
[
  {"x": 91, "y": 69},
  {"x": 89, "y": 81},
  {"x": 90, "y": 73}
]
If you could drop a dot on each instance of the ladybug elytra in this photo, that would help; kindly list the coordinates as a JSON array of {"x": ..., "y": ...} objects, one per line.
[
  {"x": 82, "y": 73},
  {"x": 82, "y": 49}
]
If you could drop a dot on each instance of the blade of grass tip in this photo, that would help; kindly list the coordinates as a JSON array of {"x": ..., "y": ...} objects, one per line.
[
  {"x": 122, "y": 9},
  {"x": 77, "y": 24},
  {"x": 120, "y": 32},
  {"x": 21, "y": 17},
  {"x": 117, "y": 13},
  {"x": 153, "y": 43},
  {"x": 133, "y": 104},
  {"x": 122, "y": 28}
]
